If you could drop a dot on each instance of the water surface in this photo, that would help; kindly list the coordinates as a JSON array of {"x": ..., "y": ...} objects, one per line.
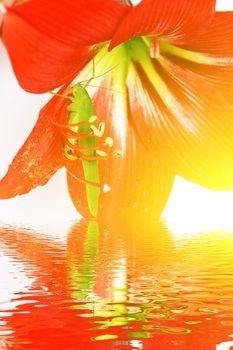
[{"x": 123, "y": 288}]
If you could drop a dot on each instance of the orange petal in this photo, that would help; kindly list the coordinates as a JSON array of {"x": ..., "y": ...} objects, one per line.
[
  {"x": 186, "y": 122},
  {"x": 216, "y": 71}
]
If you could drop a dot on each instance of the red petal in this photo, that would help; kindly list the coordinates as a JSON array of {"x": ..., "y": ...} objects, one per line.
[
  {"x": 218, "y": 38},
  {"x": 38, "y": 159},
  {"x": 139, "y": 186},
  {"x": 190, "y": 126},
  {"x": 82, "y": 22},
  {"x": 40, "y": 63},
  {"x": 177, "y": 19}
]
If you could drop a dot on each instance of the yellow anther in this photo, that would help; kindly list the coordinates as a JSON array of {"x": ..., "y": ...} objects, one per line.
[
  {"x": 101, "y": 153},
  {"x": 95, "y": 130},
  {"x": 98, "y": 132},
  {"x": 92, "y": 119},
  {"x": 117, "y": 152},
  {"x": 101, "y": 128},
  {"x": 109, "y": 141}
]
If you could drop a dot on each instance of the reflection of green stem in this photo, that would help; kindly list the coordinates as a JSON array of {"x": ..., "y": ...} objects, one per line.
[
  {"x": 109, "y": 312},
  {"x": 82, "y": 274}
]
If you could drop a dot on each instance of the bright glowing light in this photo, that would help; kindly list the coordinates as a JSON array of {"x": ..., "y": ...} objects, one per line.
[
  {"x": 225, "y": 346},
  {"x": 137, "y": 344},
  {"x": 192, "y": 208},
  {"x": 2, "y": 10},
  {"x": 120, "y": 281},
  {"x": 224, "y": 5}
]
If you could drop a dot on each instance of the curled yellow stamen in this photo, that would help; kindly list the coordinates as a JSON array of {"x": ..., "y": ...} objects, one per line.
[
  {"x": 117, "y": 152},
  {"x": 109, "y": 141},
  {"x": 98, "y": 132},
  {"x": 92, "y": 119},
  {"x": 101, "y": 153}
]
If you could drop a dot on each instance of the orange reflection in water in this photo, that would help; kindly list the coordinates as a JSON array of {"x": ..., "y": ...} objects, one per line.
[{"x": 119, "y": 288}]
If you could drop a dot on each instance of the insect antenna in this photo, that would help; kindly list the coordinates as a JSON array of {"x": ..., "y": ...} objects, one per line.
[
  {"x": 86, "y": 81},
  {"x": 97, "y": 76},
  {"x": 86, "y": 182},
  {"x": 60, "y": 95},
  {"x": 105, "y": 88}
]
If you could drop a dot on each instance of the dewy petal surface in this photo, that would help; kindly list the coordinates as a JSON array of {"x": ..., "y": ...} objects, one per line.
[
  {"x": 133, "y": 186},
  {"x": 178, "y": 20},
  {"x": 38, "y": 159},
  {"x": 82, "y": 22},
  {"x": 40, "y": 63},
  {"x": 187, "y": 121}
]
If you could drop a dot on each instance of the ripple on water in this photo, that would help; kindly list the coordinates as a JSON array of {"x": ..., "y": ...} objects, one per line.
[{"x": 115, "y": 288}]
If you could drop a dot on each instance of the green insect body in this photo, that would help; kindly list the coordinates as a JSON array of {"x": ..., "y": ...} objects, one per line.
[{"x": 81, "y": 109}]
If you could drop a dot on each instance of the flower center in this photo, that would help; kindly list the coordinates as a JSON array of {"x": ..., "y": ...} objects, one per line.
[{"x": 135, "y": 64}]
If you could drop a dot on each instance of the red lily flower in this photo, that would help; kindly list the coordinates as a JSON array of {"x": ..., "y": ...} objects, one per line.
[{"x": 169, "y": 89}]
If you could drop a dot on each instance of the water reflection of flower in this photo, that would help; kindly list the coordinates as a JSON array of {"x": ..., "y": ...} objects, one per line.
[{"x": 123, "y": 285}]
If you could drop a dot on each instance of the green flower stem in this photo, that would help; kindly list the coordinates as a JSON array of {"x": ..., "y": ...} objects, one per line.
[
  {"x": 82, "y": 277},
  {"x": 84, "y": 108}
]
